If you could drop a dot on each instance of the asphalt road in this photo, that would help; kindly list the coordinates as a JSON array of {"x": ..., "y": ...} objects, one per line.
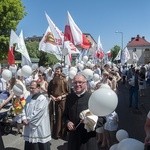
[{"x": 132, "y": 122}]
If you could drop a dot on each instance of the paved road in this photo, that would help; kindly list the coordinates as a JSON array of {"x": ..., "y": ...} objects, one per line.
[{"x": 132, "y": 122}]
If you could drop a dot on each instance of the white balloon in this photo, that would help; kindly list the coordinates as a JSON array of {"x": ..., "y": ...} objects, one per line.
[
  {"x": 42, "y": 69},
  {"x": 82, "y": 62},
  {"x": 105, "y": 86},
  {"x": 18, "y": 89},
  {"x": 96, "y": 77},
  {"x": 130, "y": 144},
  {"x": 109, "y": 63},
  {"x": 6, "y": 74},
  {"x": 26, "y": 71},
  {"x": 92, "y": 65},
  {"x": 85, "y": 59},
  {"x": 72, "y": 73},
  {"x": 121, "y": 135},
  {"x": 103, "y": 101},
  {"x": 114, "y": 147},
  {"x": 13, "y": 68},
  {"x": 88, "y": 64},
  {"x": 74, "y": 68},
  {"x": 34, "y": 66},
  {"x": 92, "y": 84},
  {"x": 80, "y": 66},
  {"x": 88, "y": 73},
  {"x": 19, "y": 73}
]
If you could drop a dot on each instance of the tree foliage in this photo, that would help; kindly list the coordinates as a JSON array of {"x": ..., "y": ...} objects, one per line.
[
  {"x": 44, "y": 58},
  {"x": 11, "y": 12},
  {"x": 114, "y": 51}
]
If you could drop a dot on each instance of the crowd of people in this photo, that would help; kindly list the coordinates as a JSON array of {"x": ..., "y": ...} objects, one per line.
[{"x": 54, "y": 102}]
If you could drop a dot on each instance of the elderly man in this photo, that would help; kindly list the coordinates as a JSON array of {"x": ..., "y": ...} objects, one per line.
[
  {"x": 36, "y": 120},
  {"x": 76, "y": 102}
]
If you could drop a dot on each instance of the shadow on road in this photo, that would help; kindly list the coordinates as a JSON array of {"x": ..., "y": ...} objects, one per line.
[{"x": 62, "y": 147}]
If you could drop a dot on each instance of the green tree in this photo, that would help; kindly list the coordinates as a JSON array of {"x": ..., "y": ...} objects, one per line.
[
  {"x": 44, "y": 58},
  {"x": 11, "y": 12},
  {"x": 114, "y": 51}
]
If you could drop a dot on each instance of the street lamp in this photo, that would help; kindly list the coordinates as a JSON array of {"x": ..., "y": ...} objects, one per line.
[{"x": 121, "y": 38}]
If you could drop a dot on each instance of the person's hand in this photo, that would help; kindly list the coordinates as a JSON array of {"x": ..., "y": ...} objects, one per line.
[
  {"x": 70, "y": 126},
  {"x": 147, "y": 139},
  {"x": 59, "y": 98},
  {"x": 25, "y": 122},
  {"x": 53, "y": 98}
]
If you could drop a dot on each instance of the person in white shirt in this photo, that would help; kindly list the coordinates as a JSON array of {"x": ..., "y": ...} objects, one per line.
[
  {"x": 110, "y": 129},
  {"x": 35, "y": 116}
]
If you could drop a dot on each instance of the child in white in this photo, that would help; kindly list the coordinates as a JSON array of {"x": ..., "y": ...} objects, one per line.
[{"x": 110, "y": 128}]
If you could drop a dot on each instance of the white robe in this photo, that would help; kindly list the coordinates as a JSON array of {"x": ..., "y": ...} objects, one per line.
[{"x": 37, "y": 113}]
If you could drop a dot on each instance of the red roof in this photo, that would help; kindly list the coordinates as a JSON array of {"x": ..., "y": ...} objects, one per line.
[{"x": 138, "y": 42}]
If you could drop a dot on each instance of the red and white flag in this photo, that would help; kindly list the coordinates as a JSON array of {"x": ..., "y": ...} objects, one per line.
[
  {"x": 99, "y": 53},
  {"x": 75, "y": 35},
  {"x": 69, "y": 48},
  {"x": 13, "y": 40}
]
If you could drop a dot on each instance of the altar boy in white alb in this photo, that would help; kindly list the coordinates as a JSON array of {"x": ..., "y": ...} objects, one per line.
[{"x": 37, "y": 132}]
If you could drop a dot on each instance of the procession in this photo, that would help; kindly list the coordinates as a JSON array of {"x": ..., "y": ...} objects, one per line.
[{"x": 63, "y": 91}]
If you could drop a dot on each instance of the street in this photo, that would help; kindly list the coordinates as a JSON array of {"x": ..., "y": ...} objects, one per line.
[{"x": 132, "y": 122}]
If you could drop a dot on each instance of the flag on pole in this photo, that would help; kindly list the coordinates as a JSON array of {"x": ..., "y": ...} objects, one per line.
[
  {"x": 13, "y": 40},
  {"x": 68, "y": 42},
  {"x": 58, "y": 34},
  {"x": 135, "y": 57},
  {"x": 75, "y": 35},
  {"x": 118, "y": 57},
  {"x": 21, "y": 48},
  {"x": 48, "y": 44},
  {"x": 99, "y": 52},
  {"x": 125, "y": 56},
  {"x": 69, "y": 48}
]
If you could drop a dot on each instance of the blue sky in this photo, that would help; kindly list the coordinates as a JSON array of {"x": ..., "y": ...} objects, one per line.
[{"x": 97, "y": 17}]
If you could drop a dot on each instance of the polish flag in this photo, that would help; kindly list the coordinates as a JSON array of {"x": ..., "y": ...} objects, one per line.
[
  {"x": 75, "y": 35},
  {"x": 13, "y": 40},
  {"x": 69, "y": 48}
]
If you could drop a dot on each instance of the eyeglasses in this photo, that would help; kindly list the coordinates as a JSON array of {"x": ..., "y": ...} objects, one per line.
[{"x": 79, "y": 82}]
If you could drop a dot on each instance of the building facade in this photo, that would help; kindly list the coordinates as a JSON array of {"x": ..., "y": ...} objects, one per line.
[{"x": 141, "y": 47}]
